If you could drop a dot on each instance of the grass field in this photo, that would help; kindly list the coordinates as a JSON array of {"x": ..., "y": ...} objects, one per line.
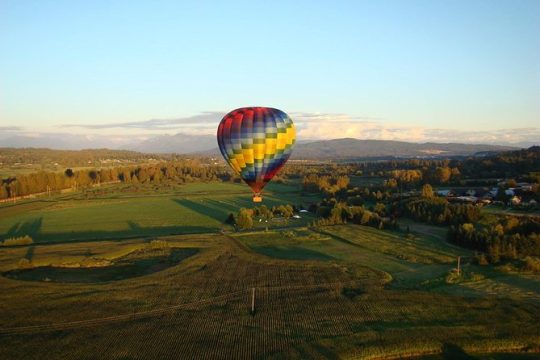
[
  {"x": 104, "y": 287},
  {"x": 113, "y": 213},
  {"x": 412, "y": 262},
  {"x": 200, "y": 308}
]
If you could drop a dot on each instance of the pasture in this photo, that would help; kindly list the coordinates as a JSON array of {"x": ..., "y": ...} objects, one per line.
[
  {"x": 306, "y": 307},
  {"x": 118, "y": 212},
  {"x": 122, "y": 274}
]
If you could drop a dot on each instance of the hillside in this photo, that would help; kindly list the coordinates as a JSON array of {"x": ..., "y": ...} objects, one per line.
[
  {"x": 42, "y": 156},
  {"x": 205, "y": 145},
  {"x": 357, "y": 149}
]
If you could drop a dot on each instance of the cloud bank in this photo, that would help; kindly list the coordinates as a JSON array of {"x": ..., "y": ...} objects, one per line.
[
  {"x": 332, "y": 126},
  {"x": 310, "y": 126},
  {"x": 207, "y": 119}
]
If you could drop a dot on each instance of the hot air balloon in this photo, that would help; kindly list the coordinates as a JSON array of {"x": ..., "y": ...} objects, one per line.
[{"x": 256, "y": 142}]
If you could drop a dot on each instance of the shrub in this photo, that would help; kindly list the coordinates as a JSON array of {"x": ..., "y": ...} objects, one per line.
[
  {"x": 507, "y": 268},
  {"x": 21, "y": 240},
  {"x": 158, "y": 244},
  {"x": 481, "y": 259},
  {"x": 288, "y": 234},
  {"x": 453, "y": 277},
  {"x": 531, "y": 264},
  {"x": 24, "y": 263}
]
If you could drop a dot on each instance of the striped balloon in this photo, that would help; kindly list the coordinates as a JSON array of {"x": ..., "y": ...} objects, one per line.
[{"x": 256, "y": 142}]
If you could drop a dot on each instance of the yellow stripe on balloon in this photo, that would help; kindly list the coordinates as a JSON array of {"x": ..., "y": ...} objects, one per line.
[
  {"x": 281, "y": 140},
  {"x": 235, "y": 165},
  {"x": 248, "y": 156},
  {"x": 270, "y": 146},
  {"x": 291, "y": 135},
  {"x": 240, "y": 159},
  {"x": 258, "y": 151}
]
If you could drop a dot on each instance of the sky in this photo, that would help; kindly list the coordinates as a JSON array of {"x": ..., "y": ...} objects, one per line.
[{"x": 444, "y": 71}]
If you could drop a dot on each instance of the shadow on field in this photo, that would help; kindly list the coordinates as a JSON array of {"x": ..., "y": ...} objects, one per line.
[
  {"x": 204, "y": 207},
  {"x": 30, "y": 228},
  {"x": 452, "y": 351},
  {"x": 30, "y": 253},
  {"x": 134, "y": 231},
  {"x": 120, "y": 270}
]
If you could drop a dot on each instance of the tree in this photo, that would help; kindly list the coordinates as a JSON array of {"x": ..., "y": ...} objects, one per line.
[
  {"x": 366, "y": 218},
  {"x": 427, "y": 191},
  {"x": 3, "y": 192},
  {"x": 391, "y": 183},
  {"x": 94, "y": 176},
  {"x": 456, "y": 174},
  {"x": 380, "y": 209},
  {"x": 230, "y": 219},
  {"x": 511, "y": 183},
  {"x": 342, "y": 182},
  {"x": 244, "y": 220},
  {"x": 442, "y": 174},
  {"x": 265, "y": 213}
]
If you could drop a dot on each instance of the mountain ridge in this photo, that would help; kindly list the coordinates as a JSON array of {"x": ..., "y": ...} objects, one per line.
[
  {"x": 350, "y": 148},
  {"x": 206, "y": 145}
]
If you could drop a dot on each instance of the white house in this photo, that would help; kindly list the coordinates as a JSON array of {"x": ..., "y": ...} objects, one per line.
[
  {"x": 444, "y": 192},
  {"x": 510, "y": 192}
]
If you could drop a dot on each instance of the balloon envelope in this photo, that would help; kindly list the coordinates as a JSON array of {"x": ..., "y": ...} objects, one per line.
[{"x": 256, "y": 142}]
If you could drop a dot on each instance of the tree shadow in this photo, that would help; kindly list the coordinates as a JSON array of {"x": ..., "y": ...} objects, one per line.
[
  {"x": 30, "y": 253},
  {"x": 452, "y": 352},
  {"x": 135, "y": 227},
  {"x": 13, "y": 230},
  {"x": 30, "y": 228},
  {"x": 134, "y": 231},
  {"x": 207, "y": 208}
]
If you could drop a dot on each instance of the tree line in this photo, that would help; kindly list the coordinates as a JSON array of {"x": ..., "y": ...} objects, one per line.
[
  {"x": 244, "y": 218},
  {"x": 508, "y": 239},
  {"x": 76, "y": 158},
  {"x": 179, "y": 172},
  {"x": 438, "y": 211}
]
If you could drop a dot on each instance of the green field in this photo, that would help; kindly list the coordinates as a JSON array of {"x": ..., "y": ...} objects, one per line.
[
  {"x": 125, "y": 273},
  {"x": 113, "y": 213}
]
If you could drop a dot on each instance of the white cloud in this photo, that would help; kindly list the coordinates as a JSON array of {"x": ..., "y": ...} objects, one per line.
[
  {"x": 310, "y": 126},
  {"x": 204, "y": 120},
  {"x": 332, "y": 126}
]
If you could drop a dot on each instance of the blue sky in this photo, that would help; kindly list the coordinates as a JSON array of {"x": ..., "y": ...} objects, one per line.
[{"x": 408, "y": 70}]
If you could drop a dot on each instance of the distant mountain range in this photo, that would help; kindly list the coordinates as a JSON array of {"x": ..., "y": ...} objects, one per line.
[
  {"x": 356, "y": 149},
  {"x": 342, "y": 149},
  {"x": 337, "y": 149}
]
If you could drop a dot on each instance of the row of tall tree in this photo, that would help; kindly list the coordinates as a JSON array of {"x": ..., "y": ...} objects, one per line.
[
  {"x": 439, "y": 211},
  {"x": 180, "y": 171},
  {"x": 509, "y": 239},
  {"x": 244, "y": 219},
  {"x": 76, "y": 158},
  {"x": 325, "y": 183}
]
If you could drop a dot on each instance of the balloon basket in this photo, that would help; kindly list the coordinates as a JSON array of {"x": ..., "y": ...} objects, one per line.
[{"x": 257, "y": 198}]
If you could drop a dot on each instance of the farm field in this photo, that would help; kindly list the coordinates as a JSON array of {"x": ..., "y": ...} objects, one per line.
[
  {"x": 344, "y": 291},
  {"x": 419, "y": 262},
  {"x": 122, "y": 212},
  {"x": 321, "y": 307}
]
